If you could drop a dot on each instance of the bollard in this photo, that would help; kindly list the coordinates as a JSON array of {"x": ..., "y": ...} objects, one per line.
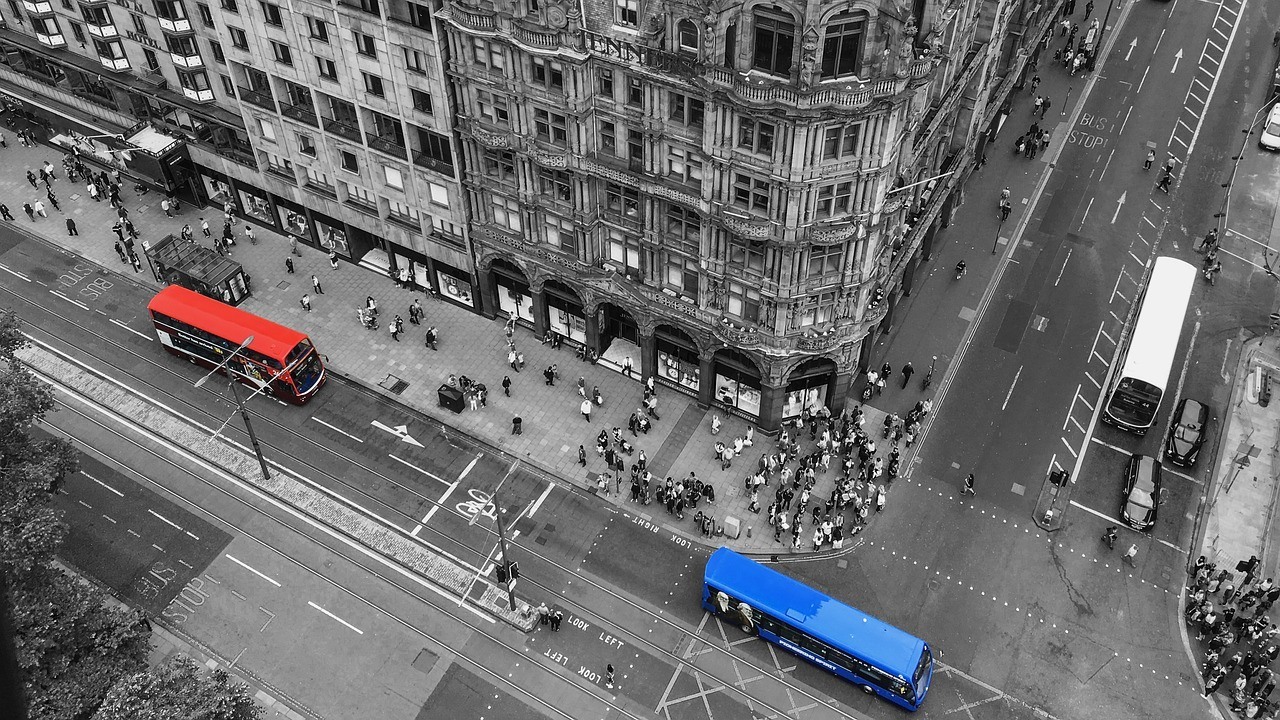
[{"x": 749, "y": 529}]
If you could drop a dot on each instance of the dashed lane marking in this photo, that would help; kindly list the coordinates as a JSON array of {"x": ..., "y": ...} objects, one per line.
[
  {"x": 337, "y": 429},
  {"x": 108, "y": 487},
  {"x": 335, "y": 617},
  {"x": 251, "y": 569}
]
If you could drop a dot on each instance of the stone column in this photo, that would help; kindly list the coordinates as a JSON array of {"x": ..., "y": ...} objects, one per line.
[{"x": 487, "y": 292}]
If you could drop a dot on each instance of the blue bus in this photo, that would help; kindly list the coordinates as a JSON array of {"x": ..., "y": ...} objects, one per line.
[{"x": 879, "y": 658}]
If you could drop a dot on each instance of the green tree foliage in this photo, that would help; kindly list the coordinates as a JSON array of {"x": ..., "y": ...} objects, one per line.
[
  {"x": 178, "y": 689},
  {"x": 72, "y": 646}
]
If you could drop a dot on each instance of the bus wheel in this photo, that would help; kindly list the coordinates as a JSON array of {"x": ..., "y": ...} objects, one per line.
[{"x": 868, "y": 690}]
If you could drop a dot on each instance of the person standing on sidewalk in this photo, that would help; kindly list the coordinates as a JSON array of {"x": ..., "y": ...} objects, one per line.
[
  {"x": 4, "y": 212},
  {"x": 71, "y": 227},
  {"x": 333, "y": 259},
  {"x": 550, "y": 375},
  {"x": 968, "y": 486},
  {"x": 288, "y": 263},
  {"x": 506, "y": 385},
  {"x": 40, "y": 209},
  {"x": 164, "y": 205},
  {"x": 431, "y": 337},
  {"x": 120, "y": 251},
  {"x": 306, "y": 302},
  {"x": 582, "y": 456},
  {"x": 93, "y": 192},
  {"x": 315, "y": 285},
  {"x": 517, "y": 425},
  {"x": 585, "y": 409}
]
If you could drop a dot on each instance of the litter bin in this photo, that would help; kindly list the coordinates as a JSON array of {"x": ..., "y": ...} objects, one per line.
[{"x": 451, "y": 398}]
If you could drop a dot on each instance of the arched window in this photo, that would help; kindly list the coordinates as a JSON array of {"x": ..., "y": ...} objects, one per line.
[
  {"x": 775, "y": 34},
  {"x": 687, "y": 37},
  {"x": 842, "y": 46}
]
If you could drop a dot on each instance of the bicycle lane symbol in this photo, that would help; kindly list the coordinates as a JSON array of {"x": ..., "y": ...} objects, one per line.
[{"x": 479, "y": 504}]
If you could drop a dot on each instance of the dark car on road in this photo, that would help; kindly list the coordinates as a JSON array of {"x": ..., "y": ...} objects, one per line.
[
  {"x": 1186, "y": 436},
  {"x": 1141, "y": 492}
]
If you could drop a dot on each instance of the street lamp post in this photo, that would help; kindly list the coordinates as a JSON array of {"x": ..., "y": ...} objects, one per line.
[
  {"x": 244, "y": 412},
  {"x": 502, "y": 536}
]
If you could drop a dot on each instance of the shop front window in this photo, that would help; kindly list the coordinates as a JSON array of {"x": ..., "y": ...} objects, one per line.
[
  {"x": 678, "y": 364},
  {"x": 455, "y": 288}
]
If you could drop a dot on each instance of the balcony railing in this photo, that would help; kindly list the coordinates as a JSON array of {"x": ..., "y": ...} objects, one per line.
[
  {"x": 106, "y": 32},
  {"x": 261, "y": 99},
  {"x": 426, "y": 161},
  {"x": 386, "y": 145},
  {"x": 115, "y": 63},
  {"x": 178, "y": 25},
  {"x": 342, "y": 129},
  {"x": 301, "y": 113},
  {"x": 38, "y": 8},
  {"x": 202, "y": 96},
  {"x": 187, "y": 61},
  {"x": 53, "y": 41}
]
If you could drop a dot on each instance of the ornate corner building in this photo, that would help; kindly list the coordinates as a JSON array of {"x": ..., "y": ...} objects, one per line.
[{"x": 734, "y": 196}]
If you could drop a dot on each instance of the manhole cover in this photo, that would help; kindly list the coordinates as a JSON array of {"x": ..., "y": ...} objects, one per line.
[
  {"x": 394, "y": 384},
  {"x": 933, "y": 585}
]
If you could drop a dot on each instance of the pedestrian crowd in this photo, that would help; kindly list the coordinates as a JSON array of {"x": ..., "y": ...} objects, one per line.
[{"x": 1242, "y": 641}]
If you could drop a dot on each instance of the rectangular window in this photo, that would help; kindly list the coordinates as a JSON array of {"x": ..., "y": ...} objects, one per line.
[
  {"x": 684, "y": 229},
  {"x": 506, "y": 212},
  {"x": 422, "y": 101},
  {"x": 318, "y": 29},
  {"x": 279, "y": 164},
  {"x": 747, "y": 256},
  {"x": 627, "y": 12},
  {"x": 77, "y": 32},
  {"x": 272, "y": 14},
  {"x": 230, "y": 6},
  {"x": 750, "y": 193},
  {"x": 635, "y": 147},
  {"x": 635, "y": 92},
  {"x": 439, "y": 193},
  {"x": 373, "y": 85},
  {"x": 218, "y": 54},
  {"x": 684, "y": 165},
  {"x": 825, "y": 260},
  {"x": 818, "y": 311},
  {"x": 548, "y": 73},
  {"x": 622, "y": 201},
  {"x": 205, "y": 13},
  {"x": 686, "y": 110},
  {"x": 842, "y": 47},
  {"x": 393, "y": 176},
  {"x": 551, "y": 127},
  {"x": 488, "y": 54},
  {"x": 365, "y": 44},
  {"x": 306, "y": 145},
  {"x": 420, "y": 16},
  {"x": 562, "y": 234},
  {"x": 682, "y": 274},
  {"x": 140, "y": 27},
  {"x": 238, "y": 38},
  {"x": 608, "y": 138},
  {"x": 500, "y": 165},
  {"x": 756, "y": 136},
  {"x": 267, "y": 130},
  {"x": 360, "y": 197},
  {"x": 624, "y": 250},
  {"x": 109, "y": 49},
  {"x": 834, "y": 199},
  {"x": 414, "y": 61},
  {"x": 318, "y": 179},
  {"x": 555, "y": 184},
  {"x": 228, "y": 87},
  {"x": 493, "y": 107},
  {"x": 436, "y": 147},
  {"x": 327, "y": 69},
  {"x": 743, "y": 301},
  {"x": 775, "y": 34},
  {"x": 281, "y": 53},
  {"x": 349, "y": 161},
  {"x": 840, "y": 141},
  {"x": 604, "y": 82}
]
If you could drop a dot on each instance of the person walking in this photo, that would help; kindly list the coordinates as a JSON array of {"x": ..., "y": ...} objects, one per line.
[
  {"x": 306, "y": 302},
  {"x": 164, "y": 205},
  {"x": 40, "y": 209},
  {"x": 431, "y": 337},
  {"x": 30, "y": 211},
  {"x": 1035, "y": 83},
  {"x": 585, "y": 409},
  {"x": 608, "y": 675},
  {"x": 511, "y": 359},
  {"x": 31, "y": 178},
  {"x": 556, "y": 618},
  {"x": 120, "y": 251},
  {"x": 550, "y": 375},
  {"x": 204, "y": 228},
  {"x": 415, "y": 312},
  {"x": 1044, "y": 108},
  {"x": 968, "y": 486},
  {"x": 315, "y": 285},
  {"x": 249, "y": 235},
  {"x": 506, "y": 385},
  {"x": 516, "y": 423},
  {"x": 135, "y": 261},
  {"x": 333, "y": 259},
  {"x": 71, "y": 227},
  {"x": 53, "y": 200},
  {"x": 907, "y": 372},
  {"x": 4, "y": 212},
  {"x": 1035, "y": 107},
  {"x": 288, "y": 264},
  {"x": 394, "y": 327},
  {"x": 293, "y": 246}
]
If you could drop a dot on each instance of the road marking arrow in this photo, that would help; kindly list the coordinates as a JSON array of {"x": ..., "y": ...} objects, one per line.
[
  {"x": 400, "y": 431},
  {"x": 1176, "y": 58},
  {"x": 1119, "y": 204},
  {"x": 1132, "y": 45}
]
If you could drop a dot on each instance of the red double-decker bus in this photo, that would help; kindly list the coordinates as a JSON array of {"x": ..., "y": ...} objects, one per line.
[{"x": 204, "y": 331}]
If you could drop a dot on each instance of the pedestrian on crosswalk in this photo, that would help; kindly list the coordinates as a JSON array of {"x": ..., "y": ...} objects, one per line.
[{"x": 968, "y": 486}]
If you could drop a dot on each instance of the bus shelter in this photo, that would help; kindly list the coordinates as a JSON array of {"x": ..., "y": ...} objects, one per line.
[{"x": 193, "y": 266}]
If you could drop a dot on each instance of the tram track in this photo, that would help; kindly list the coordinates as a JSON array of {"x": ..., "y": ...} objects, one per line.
[{"x": 675, "y": 659}]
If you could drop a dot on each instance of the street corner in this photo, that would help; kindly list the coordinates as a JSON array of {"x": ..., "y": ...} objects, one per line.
[{"x": 595, "y": 653}]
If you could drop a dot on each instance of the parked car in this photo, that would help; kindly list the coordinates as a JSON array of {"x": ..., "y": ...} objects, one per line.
[
  {"x": 1141, "y": 497},
  {"x": 1186, "y": 435},
  {"x": 1270, "y": 137}
]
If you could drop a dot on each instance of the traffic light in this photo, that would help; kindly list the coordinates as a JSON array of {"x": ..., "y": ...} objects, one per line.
[
  {"x": 515, "y": 570},
  {"x": 502, "y": 572}
]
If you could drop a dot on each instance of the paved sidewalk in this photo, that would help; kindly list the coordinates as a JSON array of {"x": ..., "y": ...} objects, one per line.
[{"x": 680, "y": 441}]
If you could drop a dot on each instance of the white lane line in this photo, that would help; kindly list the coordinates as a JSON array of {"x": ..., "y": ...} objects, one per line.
[
  {"x": 1071, "y": 409},
  {"x": 117, "y": 492},
  {"x": 1120, "y": 450},
  {"x": 192, "y": 535},
  {"x": 250, "y": 569},
  {"x": 1170, "y": 545},
  {"x": 336, "y": 429},
  {"x": 142, "y": 335},
  {"x": 428, "y": 473},
  {"x": 1104, "y": 516},
  {"x": 467, "y": 470},
  {"x": 1069, "y": 448},
  {"x": 1012, "y": 385},
  {"x": 157, "y": 547},
  {"x": 1182, "y": 475},
  {"x": 85, "y": 504},
  {"x": 541, "y": 498},
  {"x": 110, "y": 519},
  {"x": 15, "y": 273},
  {"x": 133, "y": 533},
  {"x": 164, "y": 519},
  {"x": 335, "y": 617},
  {"x": 1095, "y": 384},
  {"x": 77, "y": 303}
]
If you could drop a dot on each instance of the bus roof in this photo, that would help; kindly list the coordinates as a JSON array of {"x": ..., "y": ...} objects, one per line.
[
  {"x": 1159, "y": 325},
  {"x": 827, "y": 619},
  {"x": 269, "y": 338}
]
